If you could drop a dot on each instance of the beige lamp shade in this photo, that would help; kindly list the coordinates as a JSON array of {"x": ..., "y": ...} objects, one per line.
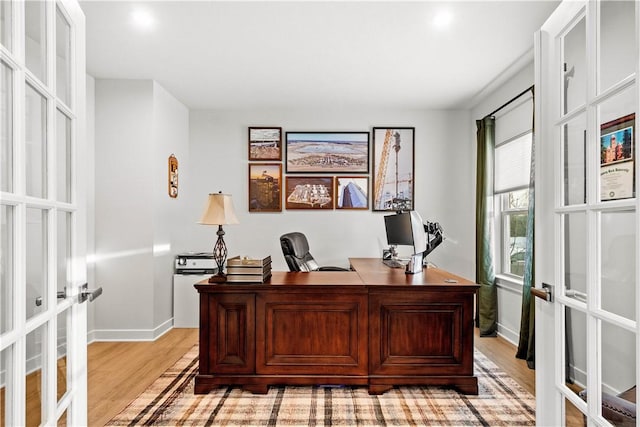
[{"x": 219, "y": 210}]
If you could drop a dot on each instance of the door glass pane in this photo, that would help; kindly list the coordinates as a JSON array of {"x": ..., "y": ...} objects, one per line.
[
  {"x": 35, "y": 383},
  {"x": 6, "y": 127},
  {"x": 617, "y": 30},
  {"x": 575, "y": 254},
  {"x": 35, "y": 34},
  {"x": 6, "y": 264},
  {"x": 576, "y": 351},
  {"x": 64, "y": 251},
  {"x": 617, "y": 122},
  {"x": 618, "y": 285},
  {"x": 575, "y": 71},
  {"x": 62, "y": 421},
  {"x": 574, "y": 161},
  {"x": 36, "y": 261},
  {"x": 5, "y": 24},
  {"x": 63, "y": 157},
  {"x": 618, "y": 371},
  {"x": 5, "y": 384},
  {"x": 36, "y": 143},
  {"x": 61, "y": 364},
  {"x": 573, "y": 416},
  {"x": 63, "y": 59}
]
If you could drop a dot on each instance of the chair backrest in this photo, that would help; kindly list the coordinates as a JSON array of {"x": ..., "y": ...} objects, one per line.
[{"x": 295, "y": 249}]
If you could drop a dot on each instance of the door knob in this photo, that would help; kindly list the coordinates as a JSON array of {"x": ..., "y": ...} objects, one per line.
[
  {"x": 89, "y": 294},
  {"x": 544, "y": 292}
]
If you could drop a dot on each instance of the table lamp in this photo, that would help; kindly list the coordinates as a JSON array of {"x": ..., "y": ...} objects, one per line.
[{"x": 219, "y": 211}]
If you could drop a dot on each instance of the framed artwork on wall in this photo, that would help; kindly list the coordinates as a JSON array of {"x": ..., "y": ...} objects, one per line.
[
  {"x": 265, "y": 143},
  {"x": 309, "y": 192},
  {"x": 327, "y": 152},
  {"x": 173, "y": 176},
  {"x": 393, "y": 168},
  {"x": 265, "y": 187},
  {"x": 352, "y": 192}
]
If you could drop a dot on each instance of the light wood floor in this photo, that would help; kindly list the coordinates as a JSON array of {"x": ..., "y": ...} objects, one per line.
[{"x": 119, "y": 371}]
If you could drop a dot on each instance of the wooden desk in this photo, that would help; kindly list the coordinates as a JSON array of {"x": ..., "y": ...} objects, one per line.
[{"x": 374, "y": 326}]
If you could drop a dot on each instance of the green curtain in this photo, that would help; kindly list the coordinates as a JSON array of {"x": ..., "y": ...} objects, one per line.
[
  {"x": 526, "y": 342},
  {"x": 487, "y": 307}
]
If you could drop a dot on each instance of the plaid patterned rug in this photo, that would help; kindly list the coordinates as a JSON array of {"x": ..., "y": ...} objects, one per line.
[{"x": 170, "y": 401}]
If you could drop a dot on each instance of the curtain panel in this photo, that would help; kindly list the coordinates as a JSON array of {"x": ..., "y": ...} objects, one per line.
[
  {"x": 526, "y": 342},
  {"x": 487, "y": 309}
]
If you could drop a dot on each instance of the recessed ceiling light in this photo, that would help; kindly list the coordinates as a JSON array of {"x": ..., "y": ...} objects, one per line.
[
  {"x": 142, "y": 19},
  {"x": 442, "y": 19}
]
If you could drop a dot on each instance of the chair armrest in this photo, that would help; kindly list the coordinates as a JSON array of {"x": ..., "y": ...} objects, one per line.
[{"x": 329, "y": 268}]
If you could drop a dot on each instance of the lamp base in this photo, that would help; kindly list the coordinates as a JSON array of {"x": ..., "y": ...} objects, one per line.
[{"x": 218, "y": 278}]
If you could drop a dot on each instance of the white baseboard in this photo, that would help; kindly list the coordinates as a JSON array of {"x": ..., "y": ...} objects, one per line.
[
  {"x": 98, "y": 335},
  {"x": 508, "y": 334}
]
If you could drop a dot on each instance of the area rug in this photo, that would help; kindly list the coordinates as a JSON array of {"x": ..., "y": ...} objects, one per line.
[{"x": 170, "y": 401}]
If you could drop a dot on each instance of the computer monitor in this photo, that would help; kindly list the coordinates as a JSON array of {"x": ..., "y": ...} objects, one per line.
[{"x": 406, "y": 228}]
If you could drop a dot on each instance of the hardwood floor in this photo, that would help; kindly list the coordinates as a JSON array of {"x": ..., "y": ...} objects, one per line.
[
  {"x": 503, "y": 354},
  {"x": 119, "y": 371}
]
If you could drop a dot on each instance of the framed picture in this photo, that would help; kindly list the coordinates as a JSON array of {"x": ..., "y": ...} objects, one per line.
[
  {"x": 352, "y": 192},
  {"x": 309, "y": 192},
  {"x": 327, "y": 152},
  {"x": 265, "y": 187},
  {"x": 393, "y": 168},
  {"x": 265, "y": 143},
  {"x": 617, "y": 180},
  {"x": 173, "y": 176}
]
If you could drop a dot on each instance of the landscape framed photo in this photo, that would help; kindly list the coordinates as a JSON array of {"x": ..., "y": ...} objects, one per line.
[
  {"x": 265, "y": 187},
  {"x": 393, "y": 168},
  {"x": 352, "y": 192},
  {"x": 265, "y": 143},
  {"x": 309, "y": 192},
  {"x": 327, "y": 152}
]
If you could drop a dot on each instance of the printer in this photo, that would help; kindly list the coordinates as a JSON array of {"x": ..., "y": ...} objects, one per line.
[{"x": 195, "y": 263}]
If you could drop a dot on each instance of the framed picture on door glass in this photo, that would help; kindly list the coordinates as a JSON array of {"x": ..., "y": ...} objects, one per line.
[{"x": 617, "y": 159}]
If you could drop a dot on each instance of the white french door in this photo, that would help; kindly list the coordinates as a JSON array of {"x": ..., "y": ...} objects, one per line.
[
  {"x": 587, "y": 181},
  {"x": 43, "y": 217}
]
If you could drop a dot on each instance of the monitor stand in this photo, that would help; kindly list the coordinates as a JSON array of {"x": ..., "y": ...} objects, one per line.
[{"x": 414, "y": 266}]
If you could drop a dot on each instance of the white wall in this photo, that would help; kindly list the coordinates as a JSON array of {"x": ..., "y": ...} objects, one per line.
[
  {"x": 509, "y": 294},
  {"x": 139, "y": 229},
  {"x": 138, "y": 125},
  {"x": 444, "y": 186},
  {"x": 170, "y": 136}
]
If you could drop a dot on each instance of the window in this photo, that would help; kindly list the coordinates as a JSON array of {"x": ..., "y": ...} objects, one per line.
[
  {"x": 513, "y": 221},
  {"x": 511, "y": 193}
]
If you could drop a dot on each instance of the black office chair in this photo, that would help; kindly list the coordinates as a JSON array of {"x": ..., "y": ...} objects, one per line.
[{"x": 295, "y": 248}]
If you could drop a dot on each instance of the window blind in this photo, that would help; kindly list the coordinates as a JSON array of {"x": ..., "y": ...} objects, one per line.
[{"x": 512, "y": 164}]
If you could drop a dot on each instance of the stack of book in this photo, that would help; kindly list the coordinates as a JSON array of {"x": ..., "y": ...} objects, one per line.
[{"x": 248, "y": 270}]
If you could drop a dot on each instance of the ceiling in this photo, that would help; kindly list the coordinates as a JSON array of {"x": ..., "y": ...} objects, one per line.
[{"x": 306, "y": 54}]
